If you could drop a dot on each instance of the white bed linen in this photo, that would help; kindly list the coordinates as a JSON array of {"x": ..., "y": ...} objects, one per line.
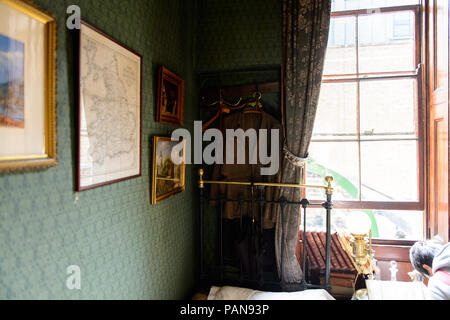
[
  {"x": 396, "y": 290},
  {"x": 236, "y": 293}
]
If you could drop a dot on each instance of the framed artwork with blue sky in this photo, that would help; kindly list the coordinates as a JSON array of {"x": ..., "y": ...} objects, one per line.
[
  {"x": 12, "y": 102},
  {"x": 27, "y": 87}
]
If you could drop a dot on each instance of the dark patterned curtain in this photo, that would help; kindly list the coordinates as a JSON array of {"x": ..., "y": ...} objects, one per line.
[{"x": 305, "y": 36}]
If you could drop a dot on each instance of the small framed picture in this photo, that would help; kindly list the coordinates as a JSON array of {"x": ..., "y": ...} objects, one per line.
[
  {"x": 27, "y": 87},
  {"x": 169, "y": 107},
  {"x": 169, "y": 168}
]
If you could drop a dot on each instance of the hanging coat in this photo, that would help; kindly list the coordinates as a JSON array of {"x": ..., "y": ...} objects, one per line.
[{"x": 248, "y": 172}]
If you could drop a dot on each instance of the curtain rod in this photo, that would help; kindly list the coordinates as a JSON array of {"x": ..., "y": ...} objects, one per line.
[
  {"x": 249, "y": 69},
  {"x": 242, "y": 90},
  {"x": 328, "y": 189}
]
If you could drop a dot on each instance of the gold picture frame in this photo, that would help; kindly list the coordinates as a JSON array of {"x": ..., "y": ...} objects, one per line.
[
  {"x": 168, "y": 178},
  {"x": 28, "y": 109}
]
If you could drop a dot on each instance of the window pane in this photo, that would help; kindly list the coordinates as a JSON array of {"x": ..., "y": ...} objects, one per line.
[
  {"x": 336, "y": 112},
  {"x": 388, "y": 109},
  {"x": 316, "y": 219},
  {"x": 386, "y": 224},
  {"x": 389, "y": 171},
  {"x": 343, "y": 5},
  {"x": 386, "y": 42},
  {"x": 401, "y": 225},
  {"x": 337, "y": 159},
  {"x": 341, "y": 51}
]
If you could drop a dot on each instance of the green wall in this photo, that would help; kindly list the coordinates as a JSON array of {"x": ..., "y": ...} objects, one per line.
[
  {"x": 125, "y": 247},
  {"x": 238, "y": 35}
]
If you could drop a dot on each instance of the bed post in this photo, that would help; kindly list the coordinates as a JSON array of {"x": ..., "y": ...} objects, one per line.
[
  {"x": 221, "y": 266},
  {"x": 201, "y": 187},
  {"x": 328, "y": 205},
  {"x": 304, "y": 203},
  {"x": 241, "y": 230},
  {"x": 283, "y": 202},
  {"x": 260, "y": 259}
]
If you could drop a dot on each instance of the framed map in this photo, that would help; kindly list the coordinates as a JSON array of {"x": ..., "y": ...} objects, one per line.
[
  {"x": 109, "y": 110},
  {"x": 27, "y": 87}
]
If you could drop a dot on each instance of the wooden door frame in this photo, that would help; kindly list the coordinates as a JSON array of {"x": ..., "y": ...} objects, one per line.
[{"x": 429, "y": 60}]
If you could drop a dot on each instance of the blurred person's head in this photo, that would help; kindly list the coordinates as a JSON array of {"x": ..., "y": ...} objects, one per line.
[{"x": 422, "y": 254}]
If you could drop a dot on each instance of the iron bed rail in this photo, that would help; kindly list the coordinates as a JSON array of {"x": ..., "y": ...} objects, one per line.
[{"x": 262, "y": 283}]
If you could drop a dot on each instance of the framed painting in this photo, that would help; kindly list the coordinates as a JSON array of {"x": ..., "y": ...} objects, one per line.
[
  {"x": 169, "y": 107},
  {"x": 27, "y": 87},
  {"x": 169, "y": 168},
  {"x": 109, "y": 110}
]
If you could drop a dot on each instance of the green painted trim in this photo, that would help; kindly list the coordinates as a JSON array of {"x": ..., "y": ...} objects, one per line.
[{"x": 346, "y": 184}]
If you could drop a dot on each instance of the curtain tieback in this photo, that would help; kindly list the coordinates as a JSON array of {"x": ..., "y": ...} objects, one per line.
[{"x": 292, "y": 158}]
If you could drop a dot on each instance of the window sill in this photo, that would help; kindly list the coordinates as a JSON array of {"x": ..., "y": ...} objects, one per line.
[{"x": 396, "y": 243}]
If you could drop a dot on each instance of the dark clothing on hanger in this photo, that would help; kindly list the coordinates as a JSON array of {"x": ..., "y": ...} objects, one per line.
[{"x": 248, "y": 172}]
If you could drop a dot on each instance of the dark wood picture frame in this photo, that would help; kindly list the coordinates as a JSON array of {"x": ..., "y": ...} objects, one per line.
[
  {"x": 78, "y": 53},
  {"x": 174, "y": 115}
]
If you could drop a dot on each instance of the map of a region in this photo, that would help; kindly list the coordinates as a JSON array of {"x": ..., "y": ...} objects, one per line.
[{"x": 110, "y": 123}]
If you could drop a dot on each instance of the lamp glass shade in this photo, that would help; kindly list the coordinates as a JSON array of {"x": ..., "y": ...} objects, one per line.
[{"x": 358, "y": 223}]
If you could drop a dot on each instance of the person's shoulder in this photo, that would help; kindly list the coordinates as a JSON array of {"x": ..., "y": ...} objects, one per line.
[
  {"x": 438, "y": 289},
  {"x": 445, "y": 248}
]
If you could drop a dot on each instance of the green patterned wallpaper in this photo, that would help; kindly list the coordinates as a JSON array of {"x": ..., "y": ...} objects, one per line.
[
  {"x": 236, "y": 35},
  {"x": 125, "y": 247}
]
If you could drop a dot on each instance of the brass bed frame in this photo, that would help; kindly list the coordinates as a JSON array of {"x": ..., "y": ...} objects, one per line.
[{"x": 220, "y": 279}]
